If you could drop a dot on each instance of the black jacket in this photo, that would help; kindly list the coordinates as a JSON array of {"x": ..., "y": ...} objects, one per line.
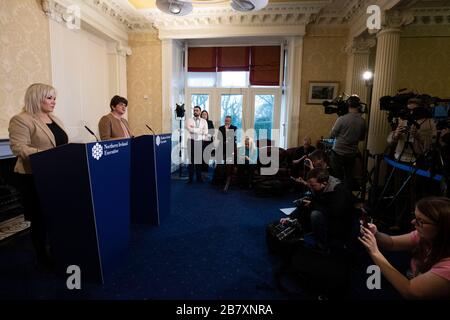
[
  {"x": 225, "y": 144},
  {"x": 337, "y": 204}
]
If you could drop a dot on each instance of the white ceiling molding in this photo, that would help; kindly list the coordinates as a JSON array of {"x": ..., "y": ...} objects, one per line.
[
  {"x": 91, "y": 18},
  {"x": 219, "y": 17},
  {"x": 281, "y": 19},
  {"x": 122, "y": 12}
]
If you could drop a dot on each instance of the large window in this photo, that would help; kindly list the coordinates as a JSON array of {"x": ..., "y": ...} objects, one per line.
[
  {"x": 201, "y": 79},
  {"x": 228, "y": 90},
  {"x": 201, "y": 100},
  {"x": 263, "y": 117},
  {"x": 233, "y": 79},
  {"x": 231, "y": 105}
]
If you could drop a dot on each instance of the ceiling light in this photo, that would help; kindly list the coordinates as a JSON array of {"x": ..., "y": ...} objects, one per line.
[
  {"x": 242, "y": 5},
  {"x": 248, "y": 5},
  {"x": 174, "y": 7}
]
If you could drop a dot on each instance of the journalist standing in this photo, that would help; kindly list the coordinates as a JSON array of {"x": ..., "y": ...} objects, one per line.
[
  {"x": 348, "y": 130},
  {"x": 207, "y": 140},
  {"x": 197, "y": 128},
  {"x": 33, "y": 130}
]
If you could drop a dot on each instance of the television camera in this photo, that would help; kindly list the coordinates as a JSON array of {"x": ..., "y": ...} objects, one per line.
[
  {"x": 427, "y": 107},
  {"x": 340, "y": 105}
]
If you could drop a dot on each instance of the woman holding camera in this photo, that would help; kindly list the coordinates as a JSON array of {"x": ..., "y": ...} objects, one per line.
[{"x": 430, "y": 248}]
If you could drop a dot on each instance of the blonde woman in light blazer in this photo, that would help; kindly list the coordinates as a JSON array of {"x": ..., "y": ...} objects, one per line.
[{"x": 33, "y": 130}]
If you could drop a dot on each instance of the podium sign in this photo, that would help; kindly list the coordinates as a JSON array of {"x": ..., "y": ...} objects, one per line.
[
  {"x": 84, "y": 191},
  {"x": 150, "y": 178}
]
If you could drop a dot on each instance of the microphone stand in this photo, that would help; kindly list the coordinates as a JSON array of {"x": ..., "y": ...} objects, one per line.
[
  {"x": 150, "y": 129},
  {"x": 91, "y": 132}
]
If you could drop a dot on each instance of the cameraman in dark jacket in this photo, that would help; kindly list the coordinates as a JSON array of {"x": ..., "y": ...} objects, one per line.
[{"x": 331, "y": 209}]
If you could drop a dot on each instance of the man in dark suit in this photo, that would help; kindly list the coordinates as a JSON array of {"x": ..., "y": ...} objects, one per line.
[{"x": 227, "y": 148}]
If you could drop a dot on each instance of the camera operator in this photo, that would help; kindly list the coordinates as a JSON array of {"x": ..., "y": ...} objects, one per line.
[
  {"x": 348, "y": 130},
  {"x": 330, "y": 207},
  {"x": 412, "y": 138},
  {"x": 414, "y": 133}
]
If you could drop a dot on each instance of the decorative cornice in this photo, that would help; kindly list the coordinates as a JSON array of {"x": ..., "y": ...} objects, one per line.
[
  {"x": 53, "y": 10},
  {"x": 431, "y": 16},
  {"x": 273, "y": 15},
  {"x": 121, "y": 13},
  {"x": 360, "y": 46},
  {"x": 395, "y": 19},
  {"x": 326, "y": 12}
]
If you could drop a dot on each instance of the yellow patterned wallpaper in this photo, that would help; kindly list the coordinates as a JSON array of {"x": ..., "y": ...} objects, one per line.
[
  {"x": 323, "y": 60},
  {"x": 424, "y": 65},
  {"x": 144, "y": 70},
  {"x": 24, "y": 54}
]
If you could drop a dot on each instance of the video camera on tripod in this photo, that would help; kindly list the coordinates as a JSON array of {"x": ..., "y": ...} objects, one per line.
[{"x": 427, "y": 108}]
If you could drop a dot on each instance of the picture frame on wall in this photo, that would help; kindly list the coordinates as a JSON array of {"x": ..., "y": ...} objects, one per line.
[{"x": 319, "y": 91}]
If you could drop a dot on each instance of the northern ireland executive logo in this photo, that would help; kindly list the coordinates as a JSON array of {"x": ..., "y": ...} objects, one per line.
[
  {"x": 97, "y": 151},
  {"x": 158, "y": 140}
]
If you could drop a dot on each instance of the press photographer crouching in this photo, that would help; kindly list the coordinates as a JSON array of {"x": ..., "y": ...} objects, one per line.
[{"x": 329, "y": 209}]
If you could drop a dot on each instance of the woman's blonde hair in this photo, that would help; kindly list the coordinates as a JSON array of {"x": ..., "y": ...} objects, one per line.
[{"x": 35, "y": 94}]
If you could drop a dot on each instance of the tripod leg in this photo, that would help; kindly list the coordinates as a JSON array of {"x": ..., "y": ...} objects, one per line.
[
  {"x": 401, "y": 188},
  {"x": 385, "y": 186}
]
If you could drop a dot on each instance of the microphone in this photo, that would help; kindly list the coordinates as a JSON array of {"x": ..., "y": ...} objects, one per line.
[
  {"x": 90, "y": 131},
  {"x": 150, "y": 129}
]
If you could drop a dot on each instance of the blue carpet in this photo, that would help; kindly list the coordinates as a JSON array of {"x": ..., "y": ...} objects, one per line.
[{"x": 210, "y": 246}]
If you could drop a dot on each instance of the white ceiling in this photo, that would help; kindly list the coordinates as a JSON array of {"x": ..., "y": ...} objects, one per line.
[{"x": 332, "y": 12}]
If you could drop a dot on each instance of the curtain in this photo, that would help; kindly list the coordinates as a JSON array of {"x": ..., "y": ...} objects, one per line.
[
  {"x": 202, "y": 59},
  {"x": 265, "y": 66}
]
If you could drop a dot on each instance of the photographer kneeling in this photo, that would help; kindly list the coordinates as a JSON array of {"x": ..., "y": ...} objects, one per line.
[{"x": 331, "y": 209}]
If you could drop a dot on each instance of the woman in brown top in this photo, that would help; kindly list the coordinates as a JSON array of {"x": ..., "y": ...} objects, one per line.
[
  {"x": 113, "y": 125},
  {"x": 35, "y": 129}
]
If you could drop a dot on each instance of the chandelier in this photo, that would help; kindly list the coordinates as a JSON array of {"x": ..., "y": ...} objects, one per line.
[{"x": 184, "y": 7}]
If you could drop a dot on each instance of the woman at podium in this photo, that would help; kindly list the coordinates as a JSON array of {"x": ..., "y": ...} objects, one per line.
[
  {"x": 113, "y": 125},
  {"x": 33, "y": 130}
]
